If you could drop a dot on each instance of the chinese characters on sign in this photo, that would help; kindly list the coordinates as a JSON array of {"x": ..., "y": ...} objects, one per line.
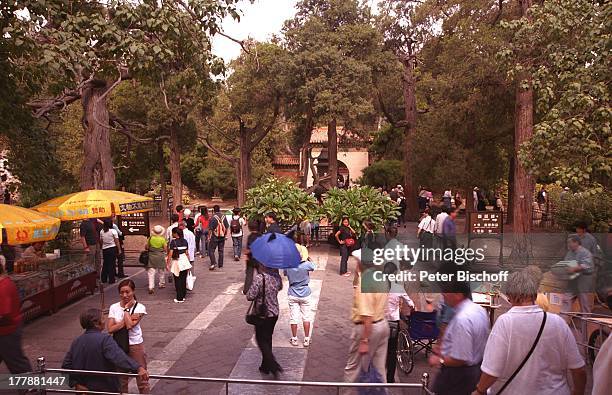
[
  {"x": 486, "y": 223},
  {"x": 134, "y": 224}
]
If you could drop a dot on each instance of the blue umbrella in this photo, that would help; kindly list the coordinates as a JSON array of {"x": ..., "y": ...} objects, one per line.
[{"x": 276, "y": 251}]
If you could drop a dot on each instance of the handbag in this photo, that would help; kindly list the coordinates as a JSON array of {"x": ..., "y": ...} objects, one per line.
[
  {"x": 349, "y": 242},
  {"x": 257, "y": 313},
  {"x": 144, "y": 258},
  {"x": 535, "y": 343},
  {"x": 190, "y": 280},
  {"x": 122, "y": 336}
]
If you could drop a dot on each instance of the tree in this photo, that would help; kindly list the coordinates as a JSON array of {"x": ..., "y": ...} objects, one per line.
[
  {"x": 84, "y": 46},
  {"x": 404, "y": 33},
  {"x": 384, "y": 173},
  {"x": 563, "y": 47},
  {"x": 250, "y": 106},
  {"x": 334, "y": 48}
]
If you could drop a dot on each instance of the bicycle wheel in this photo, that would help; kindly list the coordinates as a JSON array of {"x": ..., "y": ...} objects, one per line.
[
  {"x": 405, "y": 352},
  {"x": 597, "y": 338}
]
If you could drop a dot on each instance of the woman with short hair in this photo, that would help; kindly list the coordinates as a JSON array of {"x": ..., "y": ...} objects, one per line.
[
  {"x": 178, "y": 263},
  {"x": 509, "y": 367},
  {"x": 109, "y": 242}
]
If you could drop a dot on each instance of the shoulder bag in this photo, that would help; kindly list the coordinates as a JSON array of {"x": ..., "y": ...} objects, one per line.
[
  {"x": 144, "y": 255},
  {"x": 257, "y": 312},
  {"x": 535, "y": 343},
  {"x": 122, "y": 336}
]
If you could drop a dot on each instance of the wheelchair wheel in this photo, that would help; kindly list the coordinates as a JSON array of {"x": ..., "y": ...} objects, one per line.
[
  {"x": 405, "y": 352},
  {"x": 597, "y": 338}
]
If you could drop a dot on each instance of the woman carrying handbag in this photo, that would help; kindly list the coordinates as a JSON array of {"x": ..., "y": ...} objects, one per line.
[{"x": 263, "y": 314}]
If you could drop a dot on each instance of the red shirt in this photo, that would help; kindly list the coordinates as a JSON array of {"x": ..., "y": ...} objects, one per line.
[
  {"x": 203, "y": 222},
  {"x": 10, "y": 306}
]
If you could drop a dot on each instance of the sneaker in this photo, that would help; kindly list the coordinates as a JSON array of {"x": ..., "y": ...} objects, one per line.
[
  {"x": 347, "y": 274},
  {"x": 306, "y": 341},
  {"x": 181, "y": 301},
  {"x": 212, "y": 267},
  {"x": 236, "y": 258},
  {"x": 294, "y": 341},
  {"x": 162, "y": 286},
  {"x": 151, "y": 292},
  {"x": 176, "y": 300}
]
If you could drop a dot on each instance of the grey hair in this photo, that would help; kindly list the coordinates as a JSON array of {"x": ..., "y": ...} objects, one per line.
[
  {"x": 522, "y": 285},
  {"x": 91, "y": 318}
]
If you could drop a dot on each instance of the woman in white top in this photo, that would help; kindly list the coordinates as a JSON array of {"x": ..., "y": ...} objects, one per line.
[
  {"x": 425, "y": 229},
  {"x": 545, "y": 371},
  {"x": 127, "y": 314},
  {"x": 109, "y": 242}
]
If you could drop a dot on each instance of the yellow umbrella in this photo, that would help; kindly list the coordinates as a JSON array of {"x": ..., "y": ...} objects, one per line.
[
  {"x": 95, "y": 203},
  {"x": 24, "y": 226}
]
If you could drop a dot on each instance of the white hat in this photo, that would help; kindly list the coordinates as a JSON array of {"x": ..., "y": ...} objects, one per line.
[
  {"x": 158, "y": 230},
  {"x": 187, "y": 212},
  {"x": 303, "y": 251},
  {"x": 566, "y": 189}
]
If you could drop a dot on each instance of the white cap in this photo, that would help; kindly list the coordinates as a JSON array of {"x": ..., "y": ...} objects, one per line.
[{"x": 187, "y": 212}]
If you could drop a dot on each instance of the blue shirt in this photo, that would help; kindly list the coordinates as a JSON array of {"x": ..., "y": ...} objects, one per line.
[
  {"x": 95, "y": 350},
  {"x": 449, "y": 228},
  {"x": 466, "y": 336},
  {"x": 299, "y": 278}
]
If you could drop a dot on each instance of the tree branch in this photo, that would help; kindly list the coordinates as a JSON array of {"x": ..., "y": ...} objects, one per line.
[
  {"x": 205, "y": 140},
  {"x": 113, "y": 86},
  {"x": 264, "y": 132},
  {"x": 384, "y": 109},
  {"x": 221, "y": 132}
]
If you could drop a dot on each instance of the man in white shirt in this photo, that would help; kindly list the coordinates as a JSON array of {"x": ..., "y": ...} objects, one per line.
[
  {"x": 463, "y": 343},
  {"x": 514, "y": 334},
  {"x": 236, "y": 223},
  {"x": 438, "y": 227},
  {"x": 191, "y": 243},
  {"x": 174, "y": 218}
]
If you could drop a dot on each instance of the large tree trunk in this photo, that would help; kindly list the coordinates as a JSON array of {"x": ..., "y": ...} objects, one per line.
[
  {"x": 97, "y": 170},
  {"x": 523, "y": 182},
  {"x": 162, "y": 182},
  {"x": 332, "y": 149},
  {"x": 304, "y": 165},
  {"x": 410, "y": 110},
  {"x": 244, "y": 165},
  {"x": 510, "y": 205},
  {"x": 175, "y": 167}
]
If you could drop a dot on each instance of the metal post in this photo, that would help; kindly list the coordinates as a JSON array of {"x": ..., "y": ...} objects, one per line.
[
  {"x": 425, "y": 383},
  {"x": 227, "y": 388}
]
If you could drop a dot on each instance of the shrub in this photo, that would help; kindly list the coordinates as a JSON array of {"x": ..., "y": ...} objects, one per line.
[
  {"x": 384, "y": 173},
  {"x": 595, "y": 210},
  {"x": 359, "y": 204},
  {"x": 283, "y": 197}
]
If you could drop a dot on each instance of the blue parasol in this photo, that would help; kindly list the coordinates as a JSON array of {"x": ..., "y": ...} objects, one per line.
[{"x": 276, "y": 251}]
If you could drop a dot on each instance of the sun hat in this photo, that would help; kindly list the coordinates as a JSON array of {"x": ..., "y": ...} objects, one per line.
[
  {"x": 187, "y": 212},
  {"x": 158, "y": 230}
]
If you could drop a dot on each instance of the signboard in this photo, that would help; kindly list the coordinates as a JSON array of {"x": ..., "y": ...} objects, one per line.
[
  {"x": 136, "y": 224},
  {"x": 485, "y": 224}
]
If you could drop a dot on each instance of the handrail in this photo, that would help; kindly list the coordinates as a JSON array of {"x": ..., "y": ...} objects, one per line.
[{"x": 227, "y": 381}]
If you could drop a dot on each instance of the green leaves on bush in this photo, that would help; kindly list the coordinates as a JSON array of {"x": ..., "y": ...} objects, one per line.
[
  {"x": 594, "y": 210},
  {"x": 359, "y": 204},
  {"x": 283, "y": 197}
]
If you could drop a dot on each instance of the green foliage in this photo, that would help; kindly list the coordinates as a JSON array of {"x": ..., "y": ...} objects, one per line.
[
  {"x": 388, "y": 144},
  {"x": 594, "y": 210},
  {"x": 359, "y": 204},
  {"x": 384, "y": 173},
  {"x": 564, "y": 46},
  {"x": 283, "y": 197}
]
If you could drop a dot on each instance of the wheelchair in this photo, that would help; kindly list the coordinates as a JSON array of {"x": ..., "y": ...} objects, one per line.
[{"x": 420, "y": 334}]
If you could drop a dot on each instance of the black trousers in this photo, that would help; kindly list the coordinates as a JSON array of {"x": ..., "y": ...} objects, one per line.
[
  {"x": 457, "y": 381},
  {"x": 212, "y": 245},
  {"x": 263, "y": 334},
  {"x": 120, "y": 260},
  {"x": 180, "y": 284},
  {"x": 392, "y": 351},
  {"x": 109, "y": 257},
  {"x": 344, "y": 255},
  {"x": 11, "y": 353}
]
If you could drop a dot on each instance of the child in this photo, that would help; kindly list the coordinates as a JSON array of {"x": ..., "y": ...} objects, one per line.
[{"x": 300, "y": 301}]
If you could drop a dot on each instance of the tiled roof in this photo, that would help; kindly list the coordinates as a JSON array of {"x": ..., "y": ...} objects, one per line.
[{"x": 286, "y": 160}]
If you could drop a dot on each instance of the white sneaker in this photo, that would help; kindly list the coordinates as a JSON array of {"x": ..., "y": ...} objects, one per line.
[
  {"x": 294, "y": 341},
  {"x": 306, "y": 341},
  {"x": 176, "y": 301}
]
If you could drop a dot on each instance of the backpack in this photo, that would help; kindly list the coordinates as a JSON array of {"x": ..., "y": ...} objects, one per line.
[
  {"x": 220, "y": 229},
  {"x": 235, "y": 225}
]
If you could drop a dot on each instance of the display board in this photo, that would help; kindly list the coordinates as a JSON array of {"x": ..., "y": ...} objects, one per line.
[{"x": 486, "y": 223}]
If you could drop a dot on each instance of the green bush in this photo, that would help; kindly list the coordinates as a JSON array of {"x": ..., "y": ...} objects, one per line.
[
  {"x": 384, "y": 173},
  {"x": 595, "y": 210},
  {"x": 359, "y": 204},
  {"x": 283, "y": 197}
]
